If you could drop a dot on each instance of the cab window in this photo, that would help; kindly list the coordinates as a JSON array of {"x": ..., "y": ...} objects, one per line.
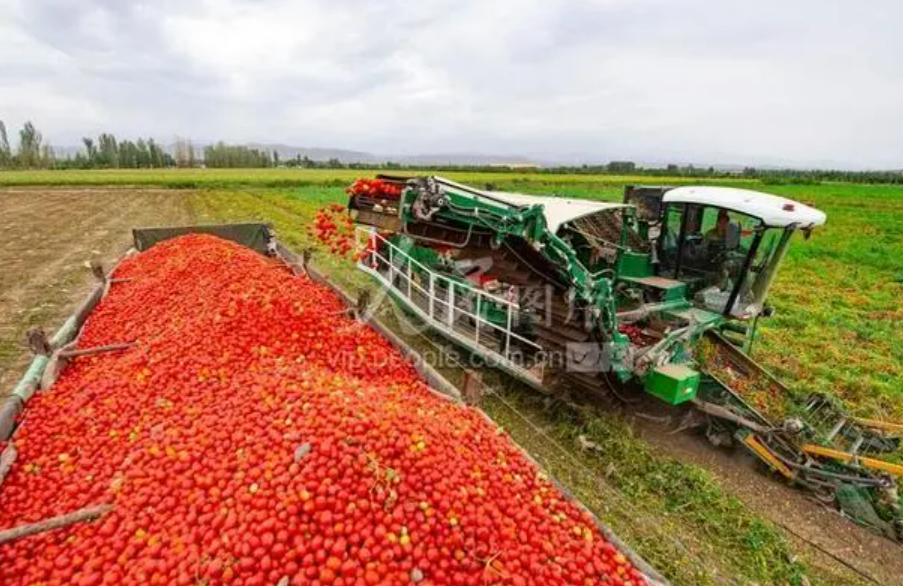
[
  {"x": 669, "y": 238},
  {"x": 705, "y": 246}
]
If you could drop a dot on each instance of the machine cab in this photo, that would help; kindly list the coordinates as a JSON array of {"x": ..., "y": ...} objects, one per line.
[{"x": 724, "y": 243}]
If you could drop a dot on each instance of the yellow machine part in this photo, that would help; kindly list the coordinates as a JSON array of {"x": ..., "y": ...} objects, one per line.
[
  {"x": 871, "y": 463},
  {"x": 882, "y": 425},
  {"x": 763, "y": 452}
]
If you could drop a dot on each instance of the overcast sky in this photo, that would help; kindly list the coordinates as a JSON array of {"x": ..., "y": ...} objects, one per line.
[{"x": 754, "y": 81}]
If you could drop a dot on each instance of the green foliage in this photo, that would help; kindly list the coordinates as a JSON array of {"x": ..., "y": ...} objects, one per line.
[
  {"x": 106, "y": 152},
  {"x": 156, "y": 157},
  {"x": 31, "y": 153},
  {"x": 222, "y": 155},
  {"x": 621, "y": 167},
  {"x": 6, "y": 156}
]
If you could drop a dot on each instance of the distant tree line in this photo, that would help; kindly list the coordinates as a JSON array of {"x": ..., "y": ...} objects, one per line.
[
  {"x": 102, "y": 152},
  {"x": 31, "y": 153},
  {"x": 106, "y": 152},
  {"x": 306, "y": 162},
  {"x": 768, "y": 176},
  {"x": 783, "y": 176},
  {"x": 222, "y": 155}
]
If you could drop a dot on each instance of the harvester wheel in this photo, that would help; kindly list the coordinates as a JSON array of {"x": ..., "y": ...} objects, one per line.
[
  {"x": 719, "y": 436},
  {"x": 618, "y": 391}
]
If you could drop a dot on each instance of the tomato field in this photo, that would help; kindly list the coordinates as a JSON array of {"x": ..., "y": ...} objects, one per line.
[
  {"x": 255, "y": 433},
  {"x": 836, "y": 329}
]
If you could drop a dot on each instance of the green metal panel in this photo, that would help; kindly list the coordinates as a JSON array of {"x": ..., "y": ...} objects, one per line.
[
  {"x": 676, "y": 293},
  {"x": 32, "y": 378},
  {"x": 672, "y": 291},
  {"x": 255, "y": 235},
  {"x": 422, "y": 254},
  {"x": 703, "y": 318},
  {"x": 673, "y": 383},
  {"x": 634, "y": 264}
]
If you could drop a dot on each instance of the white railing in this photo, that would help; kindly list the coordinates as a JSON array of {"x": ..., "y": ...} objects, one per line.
[{"x": 441, "y": 297}]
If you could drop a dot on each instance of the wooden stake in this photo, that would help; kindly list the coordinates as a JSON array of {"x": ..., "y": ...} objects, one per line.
[
  {"x": 97, "y": 271},
  {"x": 61, "y": 357},
  {"x": 86, "y": 514},
  {"x": 95, "y": 350},
  {"x": 363, "y": 303},
  {"x": 7, "y": 459},
  {"x": 305, "y": 259},
  {"x": 37, "y": 342},
  {"x": 473, "y": 387}
]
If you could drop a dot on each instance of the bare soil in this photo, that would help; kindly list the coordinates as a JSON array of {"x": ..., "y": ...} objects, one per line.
[{"x": 48, "y": 236}]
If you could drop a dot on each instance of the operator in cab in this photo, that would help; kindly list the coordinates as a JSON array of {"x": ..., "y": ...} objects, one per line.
[
  {"x": 722, "y": 245},
  {"x": 718, "y": 234},
  {"x": 723, "y": 238}
]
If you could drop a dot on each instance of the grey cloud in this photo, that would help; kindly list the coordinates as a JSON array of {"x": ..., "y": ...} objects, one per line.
[{"x": 807, "y": 82}]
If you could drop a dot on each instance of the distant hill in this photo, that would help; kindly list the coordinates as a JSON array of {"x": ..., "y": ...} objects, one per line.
[
  {"x": 317, "y": 154},
  {"x": 465, "y": 159},
  {"x": 347, "y": 156}
]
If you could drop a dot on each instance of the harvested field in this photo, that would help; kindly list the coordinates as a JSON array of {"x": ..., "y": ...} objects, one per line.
[
  {"x": 49, "y": 234},
  {"x": 710, "y": 533}
]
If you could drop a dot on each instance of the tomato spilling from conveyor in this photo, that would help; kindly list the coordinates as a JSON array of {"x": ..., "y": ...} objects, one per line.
[{"x": 334, "y": 229}]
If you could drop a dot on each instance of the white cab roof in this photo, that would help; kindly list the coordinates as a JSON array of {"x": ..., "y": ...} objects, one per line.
[
  {"x": 557, "y": 210},
  {"x": 773, "y": 210}
]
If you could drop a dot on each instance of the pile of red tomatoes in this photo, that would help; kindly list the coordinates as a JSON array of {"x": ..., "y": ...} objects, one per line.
[
  {"x": 257, "y": 435},
  {"x": 635, "y": 334},
  {"x": 375, "y": 188}
]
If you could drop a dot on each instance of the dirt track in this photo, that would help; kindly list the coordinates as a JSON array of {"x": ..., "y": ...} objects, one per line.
[{"x": 48, "y": 236}]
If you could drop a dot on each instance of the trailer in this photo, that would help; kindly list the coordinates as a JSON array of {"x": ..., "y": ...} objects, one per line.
[{"x": 50, "y": 364}]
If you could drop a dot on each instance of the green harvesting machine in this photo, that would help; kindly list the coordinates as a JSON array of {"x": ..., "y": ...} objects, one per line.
[{"x": 657, "y": 296}]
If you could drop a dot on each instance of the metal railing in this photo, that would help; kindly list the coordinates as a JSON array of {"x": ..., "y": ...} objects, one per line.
[{"x": 451, "y": 306}]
